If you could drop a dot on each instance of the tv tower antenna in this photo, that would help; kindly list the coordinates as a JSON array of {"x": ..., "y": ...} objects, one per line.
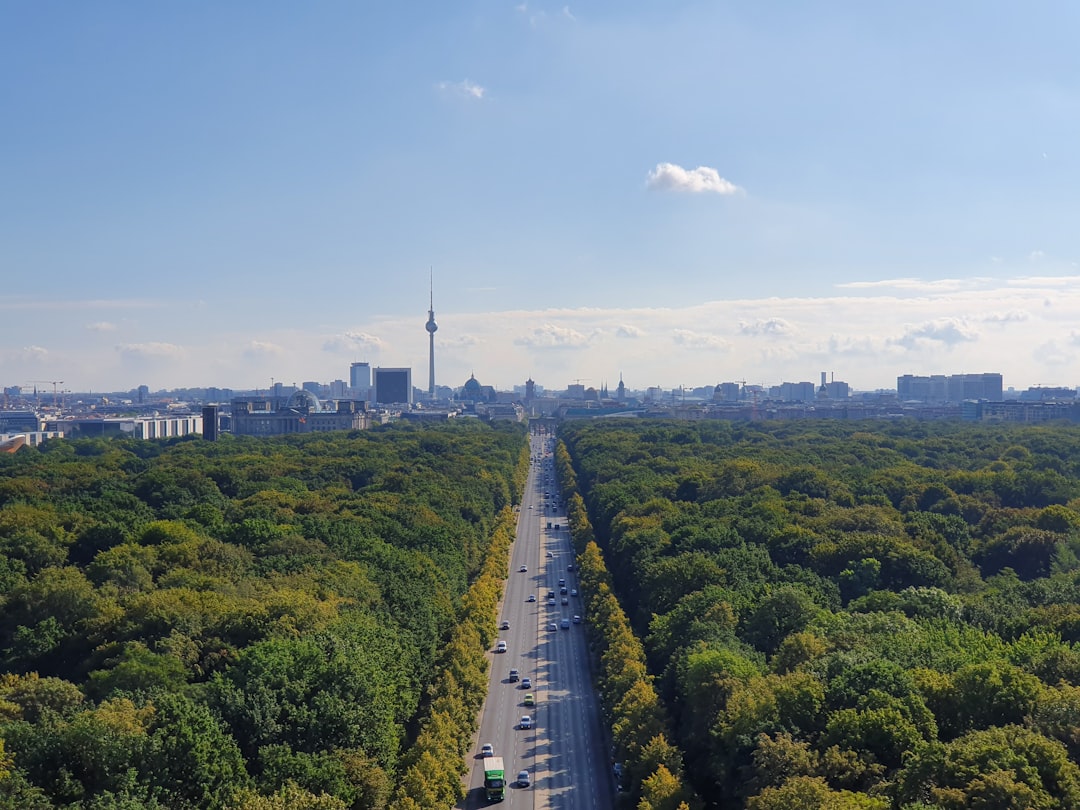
[{"x": 431, "y": 326}]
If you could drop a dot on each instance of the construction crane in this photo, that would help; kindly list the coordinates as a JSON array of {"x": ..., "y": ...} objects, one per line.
[{"x": 55, "y": 388}]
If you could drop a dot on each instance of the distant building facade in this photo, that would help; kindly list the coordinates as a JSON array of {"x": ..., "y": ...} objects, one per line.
[
  {"x": 392, "y": 386},
  {"x": 951, "y": 388},
  {"x": 360, "y": 380},
  {"x": 302, "y": 413}
]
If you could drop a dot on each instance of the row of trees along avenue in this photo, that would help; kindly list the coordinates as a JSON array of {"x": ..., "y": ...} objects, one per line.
[
  {"x": 652, "y": 768},
  {"x": 248, "y": 624},
  {"x": 849, "y": 615}
]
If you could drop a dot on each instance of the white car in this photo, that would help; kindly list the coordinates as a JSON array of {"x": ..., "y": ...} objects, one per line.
[
  {"x": 552, "y": 626},
  {"x": 532, "y": 598},
  {"x": 500, "y": 647},
  {"x": 523, "y": 779},
  {"x": 523, "y": 569},
  {"x": 487, "y": 750},
  {"x": 526, "y": 721}
]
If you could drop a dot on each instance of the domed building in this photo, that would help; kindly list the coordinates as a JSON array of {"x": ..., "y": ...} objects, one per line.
[{"x": 472, "y": 391}]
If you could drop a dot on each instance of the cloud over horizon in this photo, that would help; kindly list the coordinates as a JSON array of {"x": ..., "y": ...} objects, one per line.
[
  {"x": 550, "y": 336},
  {"x": 703, "y": 179},
  {"x": 949, "y": 331}
]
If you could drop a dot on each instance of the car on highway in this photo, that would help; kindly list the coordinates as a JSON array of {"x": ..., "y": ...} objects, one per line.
[
  {"x": 526, "y": 721},
  {"x": 570, "y": 567},
  {"x": 551, "y": 602},
  {"x": 566, "y": 600},
  {"x": 487, "y": 750},
  {"x": 500, "y": 647},
  {"x": 523, "y": 779},
  {"x": 504, "y": 625},
  {"x": 577, "y": 619},
  {"x": 563, "y": 590},
  {"x": 550, "y": 554},
  {"x": 565, "y": 624},
  {"x": 552, "y": 626},
  {"x": 529, "y": 700},
  {"x": 526, "y": 683},
  {"x": 523, "y": 569},
  {"x": 531, "y": 598},
  {"x": 514, "y": 675},
  {"x": 573, "y": 591}
]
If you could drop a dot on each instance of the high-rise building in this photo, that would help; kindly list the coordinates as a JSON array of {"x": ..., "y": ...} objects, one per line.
[
  {"x": 431, "y": 326},
  {"x": 210, "y": 423},
  {"x": 393, "y": 386},
  {"x": 360, "y": 380}
]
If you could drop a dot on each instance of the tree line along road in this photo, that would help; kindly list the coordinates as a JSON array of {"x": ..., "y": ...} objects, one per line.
[{"x": 563, "y": 751}]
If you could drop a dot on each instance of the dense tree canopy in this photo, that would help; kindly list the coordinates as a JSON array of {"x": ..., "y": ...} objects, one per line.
[
  {"x": 848, "y": 615},
  {"x": 245, "y": 623}
]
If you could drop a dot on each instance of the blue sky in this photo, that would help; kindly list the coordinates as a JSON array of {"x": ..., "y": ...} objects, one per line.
[{"x": 216, "y": 194}]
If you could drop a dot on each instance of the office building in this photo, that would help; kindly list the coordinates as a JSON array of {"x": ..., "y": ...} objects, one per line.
[
  {"x": 360, "y": 380},
  {"x": 210, "y": 423},
  {"x": 392, "y": 386},
  {"x": 939, "y": 388}
]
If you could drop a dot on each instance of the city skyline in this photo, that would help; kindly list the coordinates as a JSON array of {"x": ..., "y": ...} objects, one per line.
[{"x": 209, "y": 196}]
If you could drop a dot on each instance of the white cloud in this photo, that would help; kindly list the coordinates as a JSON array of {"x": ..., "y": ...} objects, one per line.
[
  {"x": 259, "y": 348},
  {"x": 1032, "y": 282},
  {"x": 1011, "y": 316},
  {"x": 949, "y": 331},
  {"x": 101, "y": 326},
  {"x": 28, "y": 354},
  {"x": 625, "y": 330},
  {"x": 550, "y": 336},
  {"x": 567, "y": 14},
  {"x": 351, "y": 342},
  {"x": 916, "y": 284},
  {"x": 696, "y": 340},
  {"x": 772, "y": 327},
  {"x": 150, "y": 350},
  {"x": 463, "y": 89},
  {"x": 671, "y": 177}
]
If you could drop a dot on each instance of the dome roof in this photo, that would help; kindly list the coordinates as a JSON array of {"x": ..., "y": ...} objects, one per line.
[
  {"x": 471, "y": 387},
  {"x": 304, "y": 399}
]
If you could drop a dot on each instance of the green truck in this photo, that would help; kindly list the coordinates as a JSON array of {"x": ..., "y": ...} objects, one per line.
[{"x": 494, "y": 779}]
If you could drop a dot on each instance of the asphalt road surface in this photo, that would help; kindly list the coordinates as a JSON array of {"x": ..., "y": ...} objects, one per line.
[{"x": 564, "y": 751}]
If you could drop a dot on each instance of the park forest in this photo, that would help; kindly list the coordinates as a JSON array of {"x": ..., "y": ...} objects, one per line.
[
  {"x": 293, "y": 624},
  {"x": 783, "y": 616},
  {"x": 829, "y": 616}
]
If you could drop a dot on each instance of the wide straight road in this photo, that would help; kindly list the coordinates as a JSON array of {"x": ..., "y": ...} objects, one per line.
[{"x": 564, "y": 751}]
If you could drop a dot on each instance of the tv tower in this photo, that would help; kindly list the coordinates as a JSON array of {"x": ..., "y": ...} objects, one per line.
[{"x": 431, "y": 326}]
